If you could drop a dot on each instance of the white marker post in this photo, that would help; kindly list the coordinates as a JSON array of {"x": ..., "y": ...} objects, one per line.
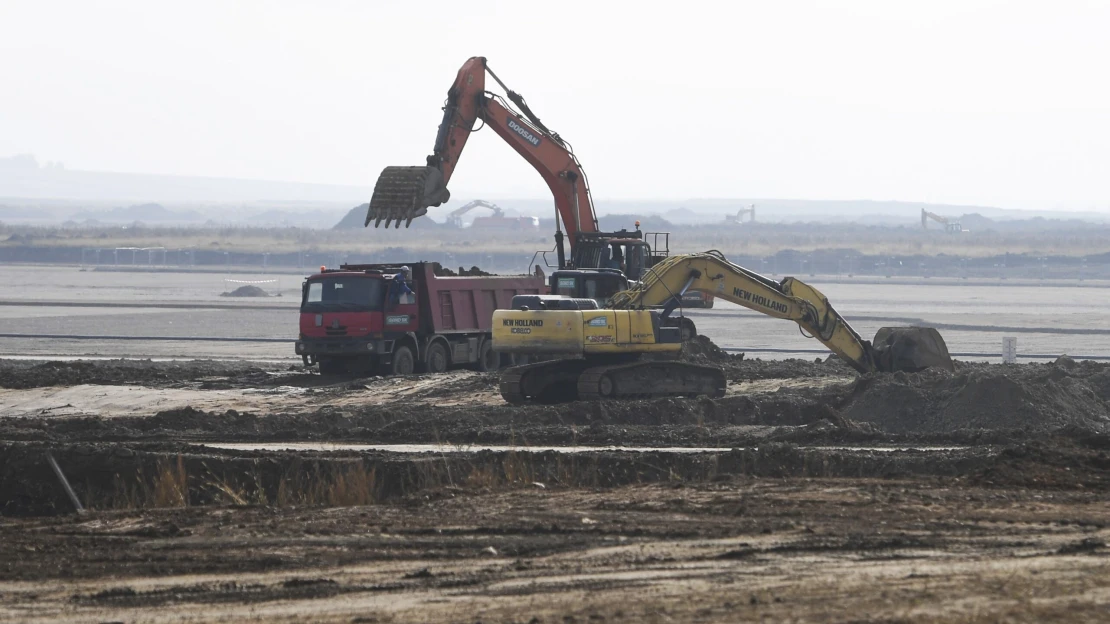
[{"x": 1009, "y": 350}]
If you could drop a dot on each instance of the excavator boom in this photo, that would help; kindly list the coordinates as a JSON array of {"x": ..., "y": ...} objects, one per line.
[
  {"x": 902, "y": 348},
  {"x": 405, "y": 193}
]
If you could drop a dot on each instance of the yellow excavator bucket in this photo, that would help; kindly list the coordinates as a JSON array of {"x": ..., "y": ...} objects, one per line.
[
  {"x": 405, "y": 193},
  {"x": 910, "y": 349}
]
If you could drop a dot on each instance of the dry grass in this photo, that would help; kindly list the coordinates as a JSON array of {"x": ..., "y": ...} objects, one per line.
[
  {"x": 169, "y": 487},
  {"x": 358, "y": 482},
  {"x": 338, "y": 487}
]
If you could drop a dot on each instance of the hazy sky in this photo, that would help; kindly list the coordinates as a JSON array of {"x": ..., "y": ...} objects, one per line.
[{"x": 1002, "y": 103}]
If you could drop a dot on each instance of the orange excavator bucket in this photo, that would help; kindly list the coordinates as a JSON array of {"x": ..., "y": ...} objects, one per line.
[{"x": 405, "y": 193}]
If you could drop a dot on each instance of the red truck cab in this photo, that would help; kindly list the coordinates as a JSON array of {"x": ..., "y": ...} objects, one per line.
[{"x": 402, "y": 318}]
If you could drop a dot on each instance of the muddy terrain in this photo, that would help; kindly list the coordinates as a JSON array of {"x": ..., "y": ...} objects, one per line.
[{"x": 237, "y": 491}]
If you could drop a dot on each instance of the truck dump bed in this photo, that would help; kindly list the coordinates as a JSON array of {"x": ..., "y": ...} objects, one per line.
[{"x": 466, "y": 304}]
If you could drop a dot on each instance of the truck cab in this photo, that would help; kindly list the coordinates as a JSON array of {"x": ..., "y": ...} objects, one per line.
[
  {"x": 350, "y": 318},
  {"x": 403, "y": 318}
]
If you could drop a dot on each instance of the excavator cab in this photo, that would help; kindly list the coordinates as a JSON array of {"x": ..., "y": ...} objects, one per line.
[
  {"x": 595, "y": 284},
  {"x": 624, "y": 251}
]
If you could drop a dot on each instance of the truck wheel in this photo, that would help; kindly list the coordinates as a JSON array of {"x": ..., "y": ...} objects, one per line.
[
  {"x": 403, "y": 363},
  {"x": 435, "y": 359},
  {"x": 488, "y": 359},
  {"x": 332, "y": 366}
]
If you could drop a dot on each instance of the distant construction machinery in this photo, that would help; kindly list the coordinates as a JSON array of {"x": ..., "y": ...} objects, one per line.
[
  {"x": 949, "y": 224},
  {"x": 739, "y": 216},
  {"x": 496, "y": 220}
]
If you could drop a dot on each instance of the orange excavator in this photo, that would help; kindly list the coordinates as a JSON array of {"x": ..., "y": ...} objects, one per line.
[{"x": 402, "y": 194}]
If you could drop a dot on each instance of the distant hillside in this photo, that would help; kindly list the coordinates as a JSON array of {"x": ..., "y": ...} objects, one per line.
[
  {"x": 292, "y": 218},
  {"x": 147, "y": 213},
  {"x": 356, "y": 220},
  {"x": 24, "y": 181}
]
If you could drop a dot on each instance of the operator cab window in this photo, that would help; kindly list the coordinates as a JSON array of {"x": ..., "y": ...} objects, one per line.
[
  {"x": 315, "y": 293},
  {"x": 566, "y": 286},
  {"x": 601, "y": 289},
  {"x": 637, "y": 261},
  {"x": 342, "y": 294}
]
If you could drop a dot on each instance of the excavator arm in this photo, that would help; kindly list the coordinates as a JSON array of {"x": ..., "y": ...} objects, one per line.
[
  {"x": 926, "y": 215},
  {"x": 899, "y": 348},
  {"x": 456, "y": 215},
  {"x": 404, "y": 193}
]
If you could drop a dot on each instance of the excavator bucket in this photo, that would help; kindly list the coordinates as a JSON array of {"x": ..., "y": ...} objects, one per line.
[
  {"x": 404, "y": 193},
  {"x": 910, "y": 349}
]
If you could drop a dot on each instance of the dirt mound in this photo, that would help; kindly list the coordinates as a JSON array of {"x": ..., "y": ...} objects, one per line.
[
  {"x": 442, "y": 271},
  {"x": 738, "y": 369},
  {"x": 246, "y": 291},
  {"x": 702, "y": 349},
  {"x": 1033, "y": 398}
]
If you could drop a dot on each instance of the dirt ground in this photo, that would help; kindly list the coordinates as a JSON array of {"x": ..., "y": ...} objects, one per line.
[{"x": 808, "y": 493}]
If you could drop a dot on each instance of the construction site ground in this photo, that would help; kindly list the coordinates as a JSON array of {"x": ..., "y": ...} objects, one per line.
[{"x": 231, "y": 491}]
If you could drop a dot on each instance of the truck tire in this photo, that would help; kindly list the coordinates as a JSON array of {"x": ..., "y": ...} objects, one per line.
[
  {"x": 435, "y": 358},
  {"x": 403, "y": 362},
  {"x": 332, "y": 366},
  {"x": 488, "y": 359}
]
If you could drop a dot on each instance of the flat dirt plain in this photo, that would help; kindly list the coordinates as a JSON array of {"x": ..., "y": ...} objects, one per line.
[
  {"x": 246, "y": 488},
  {"x": 1049, "y": 317},
  {"x": 237, "y": 491}
]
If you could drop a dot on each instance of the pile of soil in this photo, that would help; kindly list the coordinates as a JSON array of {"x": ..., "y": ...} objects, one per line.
[
  {"x": 246, "y": 291},
  {"x": 442, "y": 271},
  {"x": 1029, "y": 397},
  {"x": 702, "y": 350},
  {"x": 738, "y": 368}
]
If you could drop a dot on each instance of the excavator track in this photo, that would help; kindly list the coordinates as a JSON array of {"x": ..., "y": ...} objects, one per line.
[
  {"x": 510, "y": 385},
  {"x": 404, "y": 193},
  {"x": 551, "y": 381},
  {"x": 562, "y": 381},
  {"x": 649, "y": 380}
]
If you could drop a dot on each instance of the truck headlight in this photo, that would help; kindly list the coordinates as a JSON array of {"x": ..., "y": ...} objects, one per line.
[{"x": 369, "y": 346}]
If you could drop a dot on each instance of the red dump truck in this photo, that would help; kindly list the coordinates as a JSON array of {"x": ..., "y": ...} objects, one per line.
[{"x": 403, "y": 318}]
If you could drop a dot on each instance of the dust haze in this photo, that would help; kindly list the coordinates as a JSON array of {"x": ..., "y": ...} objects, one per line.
[
  {"x": 982, "y": 103},
  {"x": 831, "y": 345}
]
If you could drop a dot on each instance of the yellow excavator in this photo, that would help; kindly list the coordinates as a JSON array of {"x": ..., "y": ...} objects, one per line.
[{"x": 605, "y": 353}]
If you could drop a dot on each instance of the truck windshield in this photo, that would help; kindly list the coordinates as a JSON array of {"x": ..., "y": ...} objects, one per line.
[{"x": 343, "y": 293}]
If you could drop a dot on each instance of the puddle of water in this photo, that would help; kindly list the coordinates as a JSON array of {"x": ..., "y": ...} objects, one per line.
[
  {"x": 468, "y": 448},
  {"x": 277, "y": 390}
]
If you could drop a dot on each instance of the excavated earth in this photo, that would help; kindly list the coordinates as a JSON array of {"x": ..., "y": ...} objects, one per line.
[{"x": 238, "y": 491}]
